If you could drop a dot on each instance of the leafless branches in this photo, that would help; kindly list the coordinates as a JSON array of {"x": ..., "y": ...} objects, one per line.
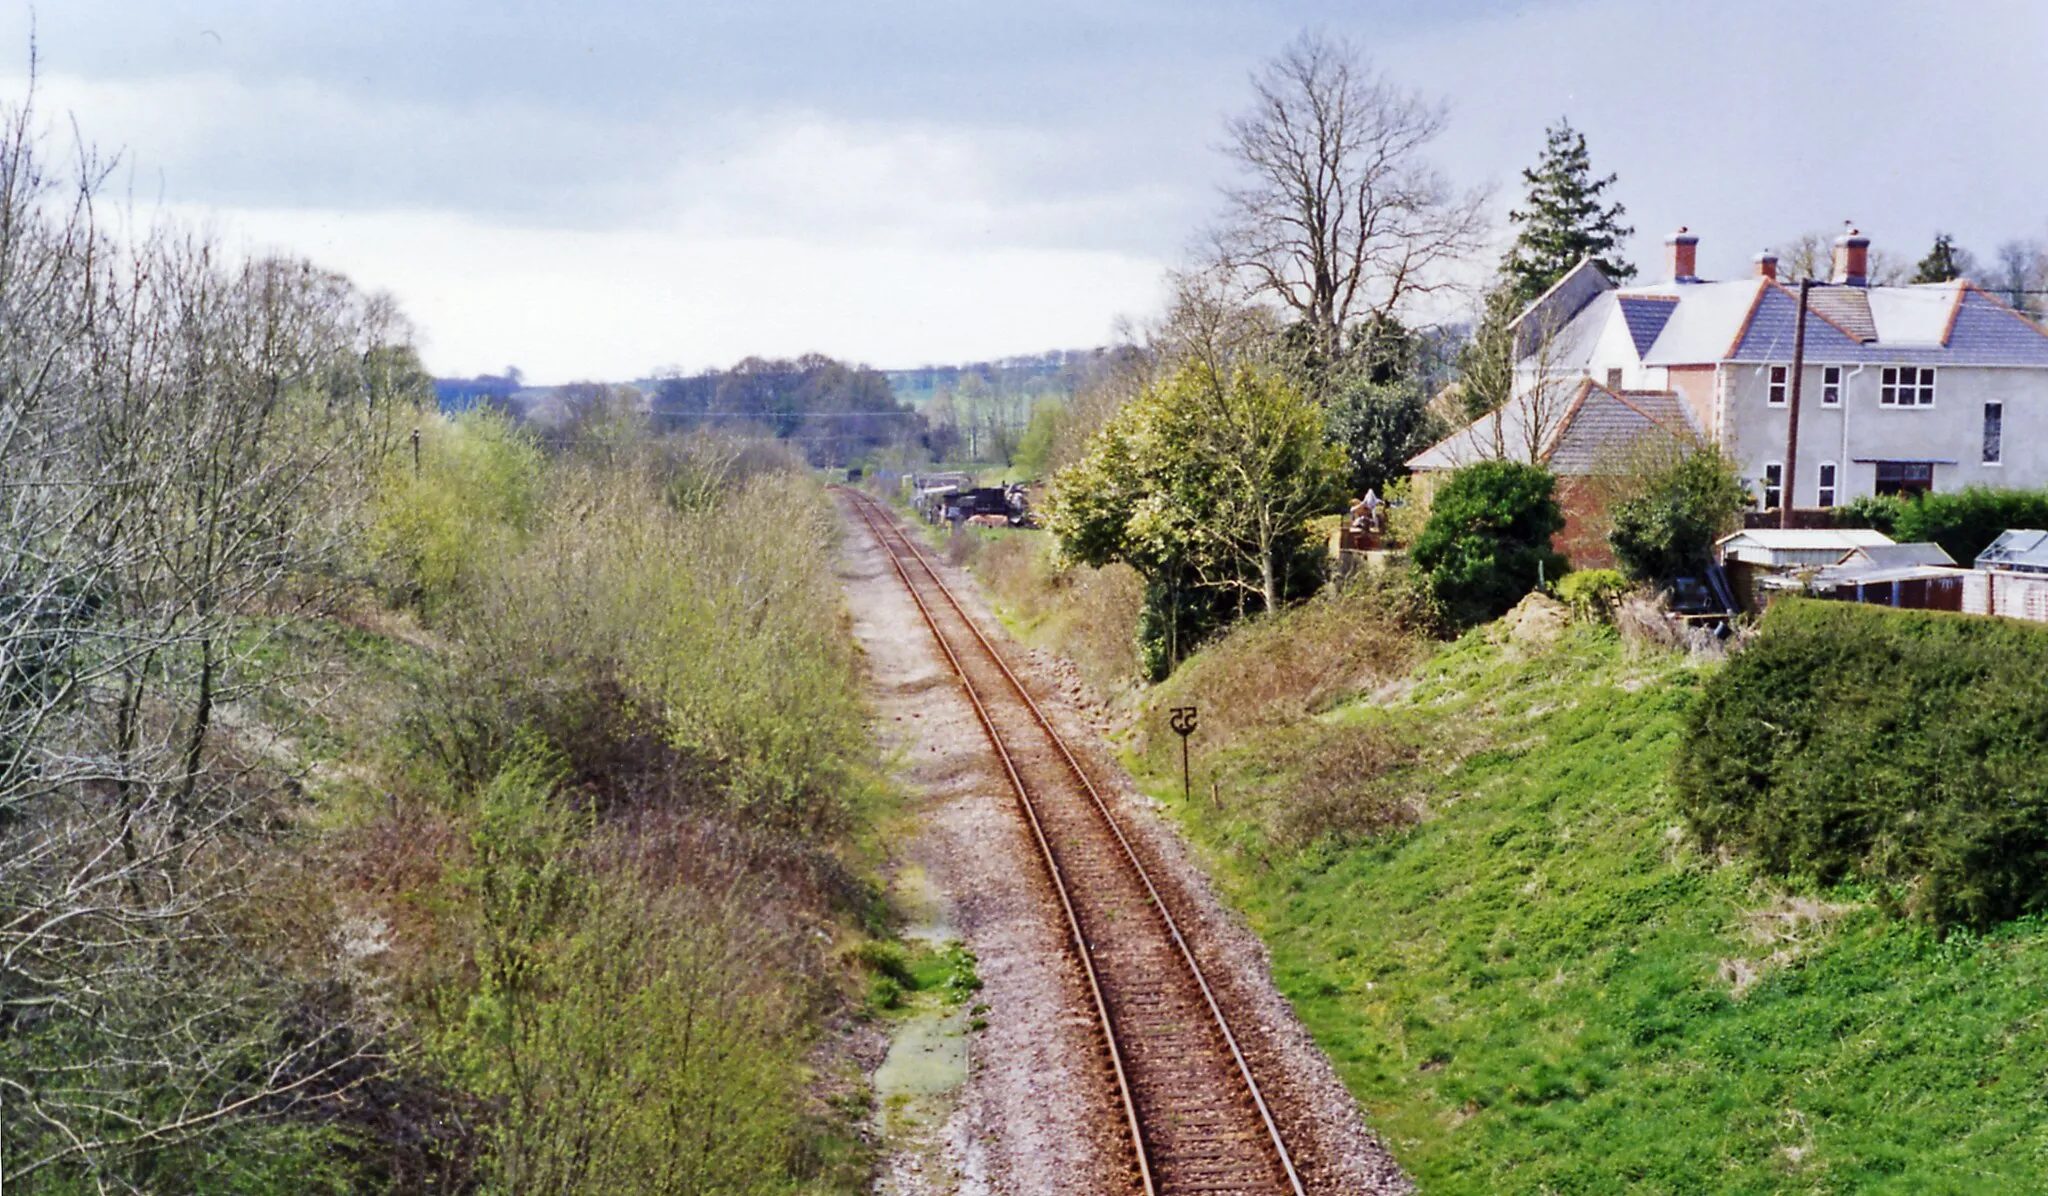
[
  {"x": 1340, "y": 218},
  {"x": 183, "y": 445}
]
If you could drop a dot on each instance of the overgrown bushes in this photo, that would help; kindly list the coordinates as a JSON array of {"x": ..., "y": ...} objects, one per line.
[
  {"x": 1487, "y": 541},
  {"x": 638, "y": 730},
  {"x": 1905, "y": 748},
  {"x": 1963, "y": 522}
]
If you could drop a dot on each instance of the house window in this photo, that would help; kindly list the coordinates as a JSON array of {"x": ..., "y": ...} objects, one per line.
[
  {"x": 1831, "y": 386},
  {"x": 1614, "y": 379},
  {"x": 1774, "y": 485},
  {"x": 1994, "y": 433},
  {"x": 1907, "y": 386},
  {"x": 1825, "y": 495},
  {"x": 1905, "y": 477},
  {"x": 1778, "y": 376}
]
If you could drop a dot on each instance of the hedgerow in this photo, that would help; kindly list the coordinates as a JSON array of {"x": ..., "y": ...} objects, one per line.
[{"x": 1905, "y": 748}]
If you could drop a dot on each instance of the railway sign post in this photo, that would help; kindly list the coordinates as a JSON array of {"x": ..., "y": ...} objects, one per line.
[{"x": 1183, "y": 724}]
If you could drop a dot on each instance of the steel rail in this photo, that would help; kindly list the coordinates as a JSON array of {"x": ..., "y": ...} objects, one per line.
[
  {"x": 880, "y": 531},
  {"x": 872, "y": 512}
]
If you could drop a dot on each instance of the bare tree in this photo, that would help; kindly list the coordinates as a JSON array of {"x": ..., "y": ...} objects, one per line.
[
  {"x": 183, "y": 448},
  {"x": 1339, "y": 217}
]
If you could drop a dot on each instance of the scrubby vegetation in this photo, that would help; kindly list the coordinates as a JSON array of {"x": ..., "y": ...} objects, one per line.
[
  {"x": 633, "y": 781},
  {"x": 1904, "y": 748},
  {"x": 1478, "y": 889}
]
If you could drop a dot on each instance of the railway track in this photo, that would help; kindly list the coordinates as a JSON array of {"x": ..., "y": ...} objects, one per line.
[{"x": 1195, "y": 1118}]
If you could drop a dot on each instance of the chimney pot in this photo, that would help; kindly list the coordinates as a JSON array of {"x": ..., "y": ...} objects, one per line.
[
  {"x": 1852, "y": 258},
  {"x": 1684, "y": 253},
  {"x": 1767, "y": 265}
]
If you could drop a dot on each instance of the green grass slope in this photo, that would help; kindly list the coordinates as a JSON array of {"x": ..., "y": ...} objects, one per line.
[{"x": 1544, "y": 987}]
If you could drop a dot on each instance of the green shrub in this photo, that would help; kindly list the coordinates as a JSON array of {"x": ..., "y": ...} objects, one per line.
[
  {"x": 1965, "y": 522},
  {"x": 438, "y": 528},
  {"x": 1908, "y": 748},
  {"x": 1591, "y": 593},
  {"x": 1487, "y": 541},
  {"x": 1686, "y": 501},
  {"x": 1879, "y": 512}
]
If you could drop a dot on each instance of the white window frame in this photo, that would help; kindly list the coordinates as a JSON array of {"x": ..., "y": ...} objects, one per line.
[
  {"x": 1906, "y": 386},
  {"x": 1831, "y": 386},
  {"x": 1826, "y": 484},
  {"x": 1778, "y": 378},
  {"x": 1772, "y": 470},
  {"x": 1994, "y": 455}
]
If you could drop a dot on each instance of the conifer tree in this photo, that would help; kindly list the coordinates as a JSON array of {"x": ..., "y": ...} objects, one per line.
[
  {"x": 1943, "y": 263},
  {"x": 1563, "y": 220}
]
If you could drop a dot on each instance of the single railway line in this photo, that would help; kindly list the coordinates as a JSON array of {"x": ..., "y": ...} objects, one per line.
[{"x": 1195, "y": 1117}]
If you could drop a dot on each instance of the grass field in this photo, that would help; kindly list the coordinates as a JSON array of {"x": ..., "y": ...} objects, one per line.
[{"x": 1543, "y": 987}]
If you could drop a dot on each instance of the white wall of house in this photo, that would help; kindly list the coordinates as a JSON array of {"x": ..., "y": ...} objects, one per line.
[{"x": 1860, "y": 430}]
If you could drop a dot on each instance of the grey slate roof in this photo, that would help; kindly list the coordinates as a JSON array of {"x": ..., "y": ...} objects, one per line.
[
  {"x": 2022, "y": 550},
  {"x": 1752, "y": 321},
  {"x": 1595, "y": 429},
  {"x": 1559, "y": 305},
  {"x": 1979, "y": 331},
  {"x": 1646, "y": 316}
]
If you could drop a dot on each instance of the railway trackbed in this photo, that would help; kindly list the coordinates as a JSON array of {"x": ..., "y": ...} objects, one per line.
[{"x": 1181, "y": 1080}]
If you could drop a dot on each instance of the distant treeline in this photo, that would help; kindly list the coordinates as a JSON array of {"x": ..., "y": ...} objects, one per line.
[
  {"x": 1059, "y": 372},
  {"x": 836, "y": 412}
]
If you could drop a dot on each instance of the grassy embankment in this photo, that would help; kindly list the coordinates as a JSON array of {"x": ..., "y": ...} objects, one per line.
[
  {"x": 1479, "y": 892},
  {"x": 1542, "y": 986}
]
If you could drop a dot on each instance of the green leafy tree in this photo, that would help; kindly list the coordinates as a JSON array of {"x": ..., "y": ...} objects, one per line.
[
  {"x": 1379, "y": 425},
  {"x": 1965, "y": 522},
  {"x": 1563, "y": 220},
  {"x": 1946, "y": 262},
  {"x": 1687, "y": 498},
  {"x": 1487, "y": 542},
  {"x": 1203, "y": 483}
]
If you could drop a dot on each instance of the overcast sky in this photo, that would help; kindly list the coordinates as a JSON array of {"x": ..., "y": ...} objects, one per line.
[{"x": 604, "y": 188}]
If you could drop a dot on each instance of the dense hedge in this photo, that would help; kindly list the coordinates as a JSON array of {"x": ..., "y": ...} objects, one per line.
[
  {"x": 1905, "y": 747},
  {"x": 1964, "y": 522}
]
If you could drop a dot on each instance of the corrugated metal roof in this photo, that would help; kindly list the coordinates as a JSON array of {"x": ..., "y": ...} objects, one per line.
[
  {"x": 1842, "y": 575},
  {"x": 1844, "y": 538},
  {"x": 1894, "y": 556},
  {"x": 1795, "y": 545},
  {"x": 2022, "y": 550}
]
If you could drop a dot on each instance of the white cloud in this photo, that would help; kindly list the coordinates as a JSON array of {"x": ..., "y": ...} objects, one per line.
[{"x": 564, "y": 305}]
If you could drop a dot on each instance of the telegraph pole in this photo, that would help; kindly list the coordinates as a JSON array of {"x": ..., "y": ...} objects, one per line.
[{"x": 1789, "y": 484}]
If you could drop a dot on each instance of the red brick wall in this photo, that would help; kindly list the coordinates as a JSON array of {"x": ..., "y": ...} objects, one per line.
[{"x": 1584, "y": 538}]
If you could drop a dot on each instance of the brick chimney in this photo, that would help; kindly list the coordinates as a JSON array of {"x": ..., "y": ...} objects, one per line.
[
  {"x": 1684, "y": 251},
  {"x": 1852, "y": 258},
  {"x": 1767, "y": 265}
]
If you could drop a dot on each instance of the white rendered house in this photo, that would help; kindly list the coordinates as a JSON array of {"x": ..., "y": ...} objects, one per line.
[{"x": 1904, "y": 389}]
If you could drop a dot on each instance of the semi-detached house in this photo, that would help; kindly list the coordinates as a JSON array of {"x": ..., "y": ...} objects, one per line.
[{"x": 1904, "y": 389}]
